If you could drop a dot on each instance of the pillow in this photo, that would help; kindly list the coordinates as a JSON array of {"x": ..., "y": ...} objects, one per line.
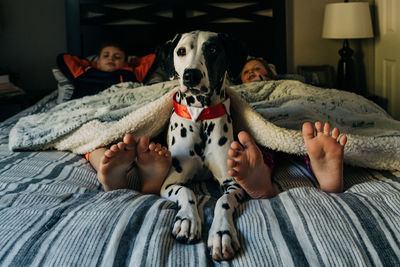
[{"x": 64, "y": 86}]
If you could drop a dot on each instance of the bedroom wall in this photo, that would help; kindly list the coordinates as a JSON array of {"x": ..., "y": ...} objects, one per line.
[
  {"x": 304, "y": 21},
  {"x": 32, "y": 33}
]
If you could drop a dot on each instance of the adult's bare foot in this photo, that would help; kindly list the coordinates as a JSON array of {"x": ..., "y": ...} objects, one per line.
[
  {"x": 153, "y": 161},
  {"x": 326, "y": 155},
  {"x": 115, "y": 163},
  {"x": 248, "y": 169}
]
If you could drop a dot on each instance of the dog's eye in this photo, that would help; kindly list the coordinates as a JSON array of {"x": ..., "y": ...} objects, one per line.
[
  {"x": 212, "y": 49},
  {"x": 181, "y": 52}
]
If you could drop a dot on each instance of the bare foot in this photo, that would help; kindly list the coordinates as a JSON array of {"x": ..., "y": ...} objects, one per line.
[
  {"x": 248, "y": 169},
  {"x": 115, "y": 163},
  {"x": 153, "y": 161},
  {"x": 326, "y": 155}
]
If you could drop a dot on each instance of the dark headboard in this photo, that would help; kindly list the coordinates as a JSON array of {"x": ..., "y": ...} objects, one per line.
[{"x": 143, "y": 25}]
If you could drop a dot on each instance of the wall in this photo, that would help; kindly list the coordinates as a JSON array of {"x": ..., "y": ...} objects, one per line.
[
  {"x": 306, "y": 47},
  {"x": 32, "y": 33}
]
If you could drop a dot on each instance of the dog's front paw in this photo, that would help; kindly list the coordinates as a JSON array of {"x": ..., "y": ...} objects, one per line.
[
  {"x": 223, "y": 244},
  {"x": 187, "y": 227}
]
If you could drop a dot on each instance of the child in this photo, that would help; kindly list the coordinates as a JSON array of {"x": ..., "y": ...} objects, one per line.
[
  {"x": 111, "y": 67},
  {"x": 256, "y": 69},
  {"x": 153, "y": 160},
  {"x": 252, "y": 167}
]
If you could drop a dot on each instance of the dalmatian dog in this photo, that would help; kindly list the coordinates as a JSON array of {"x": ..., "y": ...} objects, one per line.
[{"x": 200, "y": 133}]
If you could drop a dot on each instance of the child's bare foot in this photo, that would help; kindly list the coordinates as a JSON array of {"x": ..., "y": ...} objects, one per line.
[
  {"x": 326, "y": 155},
  {"x": 153, "y": 161},
  {"x": 115, "y": 163},
  {"x": 248, "y": 169}
]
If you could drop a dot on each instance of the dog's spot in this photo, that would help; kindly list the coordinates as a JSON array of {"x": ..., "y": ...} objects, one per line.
[
  {"x": 190, "y": 100},
  {"x": 204, "y": 101},
  {"x": 204, "y": 89},
  {"x": 181, "y": 124},
  {"x": 183, "y": 132},
  {"x": 172, "y": 128},
  {"x": 198, "y": 150},
  {"x": 226, "y": 206},
  {"x": 177, "y": 190},
  {"x": 168, "y": 186},
  {"x": 239, "y": 198},
  {"x": 177, "y": 165},
  {"x": 173, "y": 140},
  {"x": 210, "y": 128},
  {"x": 191, "y": 202},
  {"x": 191, "y": 152},
  {"x": 229, "y": 119},
  {"x": 222, "y": 141},
  {"x": 191, "y": 46},
  {"x": 209, "y": 141},
  {"x": 225, "y": 128},
  {"x": 170, "y": 192},
  {"x": 191, "y": 128},
  {"x": 176, "y": 124}
]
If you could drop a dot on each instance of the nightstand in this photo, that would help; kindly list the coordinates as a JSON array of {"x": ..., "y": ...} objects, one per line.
[{"x": 12, "y": 100}]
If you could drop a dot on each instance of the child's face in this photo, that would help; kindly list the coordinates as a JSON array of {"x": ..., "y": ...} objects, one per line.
[
  {"x": 111, "y": 59},
  {"x": 254, "y": 70}
]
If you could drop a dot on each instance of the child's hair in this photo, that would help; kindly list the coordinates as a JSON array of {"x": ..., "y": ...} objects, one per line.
[{"x": 115, "y": 44}]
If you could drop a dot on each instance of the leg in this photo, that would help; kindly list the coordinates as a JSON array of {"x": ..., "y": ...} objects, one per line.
[
  {"x": 112, "y": 164},
  {"x": 223, "y": 241},
  {"x": 326, "y": 155},
  {"x": 248, "y": 169},
  {"x": 187, "y": 225},
  {"x": 153, "y": 162}
]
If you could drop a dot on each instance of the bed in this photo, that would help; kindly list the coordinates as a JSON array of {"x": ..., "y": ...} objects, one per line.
[{"x": 55, "y": 213}]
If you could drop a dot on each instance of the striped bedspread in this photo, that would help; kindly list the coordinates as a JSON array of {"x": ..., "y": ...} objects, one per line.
[{"x": 53, "y": 212}]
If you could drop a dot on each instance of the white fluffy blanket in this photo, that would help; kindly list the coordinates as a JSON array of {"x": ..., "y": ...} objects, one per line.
[{"x": 282, "y": 106}]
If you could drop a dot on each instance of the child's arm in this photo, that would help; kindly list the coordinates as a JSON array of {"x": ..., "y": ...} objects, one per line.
[{"x": 73, "y": 66}]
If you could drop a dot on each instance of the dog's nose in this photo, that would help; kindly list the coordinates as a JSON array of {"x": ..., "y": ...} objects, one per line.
[{"x": 192, "y": 77}]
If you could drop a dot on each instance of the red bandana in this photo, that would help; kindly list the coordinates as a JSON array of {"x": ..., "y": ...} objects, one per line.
[{"x": 207, "y": 113}]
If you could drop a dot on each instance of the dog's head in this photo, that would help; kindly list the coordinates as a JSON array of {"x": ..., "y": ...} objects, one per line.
[{"x": 201, "y": 60}]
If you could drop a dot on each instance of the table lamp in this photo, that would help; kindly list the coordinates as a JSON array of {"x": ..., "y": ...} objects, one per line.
[{"x": 347, "y": 21}]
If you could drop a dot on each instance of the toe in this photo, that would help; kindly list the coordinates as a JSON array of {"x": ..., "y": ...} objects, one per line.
[
  {"x": 130, "y": 142},
  {"x": 318, "y": 127},
  {"x": 308, "y": 131},
  {"x": 109, "y": 154},
  {"x": 114, "y": 148},
  {"x": 245, "y": 139},
  {"x": 232, "y": 153},
  {"x": 231, "y": 163},
  {"x": 236, "y": 146},
  {"x": 335, "y": 133},
  {"x": 343, "y": 140},
  {"x": 327, "y": 128},
  {"x": 121, "y": 146},
  {"x": 152, "y": 146},
  {"x": 143, "y": 144}
]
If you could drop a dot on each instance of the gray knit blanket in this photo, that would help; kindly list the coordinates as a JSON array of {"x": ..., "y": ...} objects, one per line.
[{"x": 273, "y": 112}]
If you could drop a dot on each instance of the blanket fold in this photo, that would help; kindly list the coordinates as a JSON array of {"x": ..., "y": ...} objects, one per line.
[{"x": 272, "y": 112}]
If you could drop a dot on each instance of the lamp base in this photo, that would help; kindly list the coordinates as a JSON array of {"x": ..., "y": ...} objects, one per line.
[{"x": 345, "y": 74}]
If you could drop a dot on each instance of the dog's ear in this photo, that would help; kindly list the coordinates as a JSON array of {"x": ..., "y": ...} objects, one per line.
[
  {"x": 236, "y": 52},
  {"x": 165, "y": 55}
]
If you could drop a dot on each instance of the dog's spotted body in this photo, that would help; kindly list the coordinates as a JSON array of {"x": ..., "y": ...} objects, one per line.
[{"x": 202, "y": 61}]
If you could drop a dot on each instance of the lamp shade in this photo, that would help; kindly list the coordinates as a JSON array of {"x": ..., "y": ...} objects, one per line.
[{"x": 347, "y": 21}]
